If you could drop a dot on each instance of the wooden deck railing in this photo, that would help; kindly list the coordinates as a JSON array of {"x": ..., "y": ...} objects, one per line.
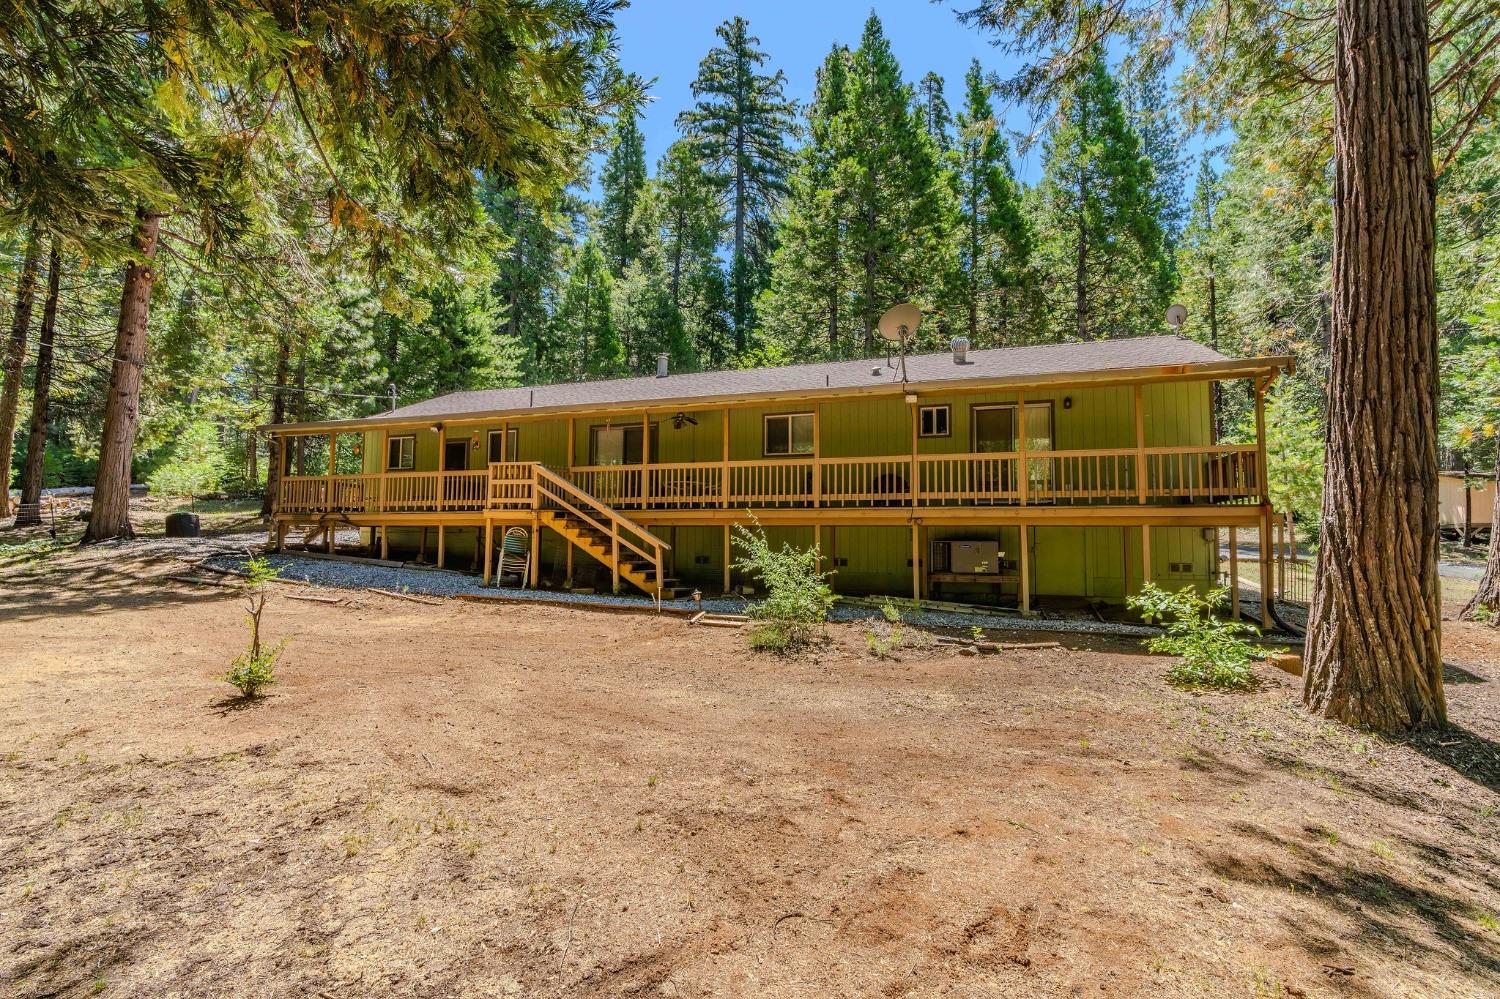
[{"x": 1223, "y": 473}]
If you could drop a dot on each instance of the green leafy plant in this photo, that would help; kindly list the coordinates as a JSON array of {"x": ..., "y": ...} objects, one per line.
[
  {"x": 255, "y": 668},
  {"x": 1210, "y": 651},
  {"x": 884, "y": 646},
  {"x": 798, "y": 596},
  {"x": 890, "y": 612}
]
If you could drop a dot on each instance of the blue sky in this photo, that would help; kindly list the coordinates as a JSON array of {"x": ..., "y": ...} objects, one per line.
[{"x": 667, "y": 39}]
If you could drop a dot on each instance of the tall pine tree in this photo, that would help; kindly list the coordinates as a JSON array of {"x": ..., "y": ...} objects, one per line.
[
  {"x": 622, "y": 180},
  {"x": 741, "y": 123},
  {"x": 995, "y": 248},
  {"x": 1103, "y": 266}
]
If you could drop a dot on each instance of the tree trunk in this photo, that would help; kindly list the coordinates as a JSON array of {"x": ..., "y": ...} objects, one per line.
[
  {"x": 15, "y": 359},
  {"x": 274, "y": 450},
  {"x": 1488, "y": 594},
  {"x": 36, "y": 445},
  {"x": 739, "y": 267},
  {"x": 110, "y": 516},
  {"x": 1373, "y": 653}
]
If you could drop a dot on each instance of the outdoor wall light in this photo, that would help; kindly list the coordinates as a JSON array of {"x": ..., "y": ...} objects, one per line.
[{"x": 1067, "y": 402}]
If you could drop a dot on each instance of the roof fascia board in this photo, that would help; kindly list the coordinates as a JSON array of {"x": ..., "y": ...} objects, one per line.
[{"x": 1233, "y": 369}]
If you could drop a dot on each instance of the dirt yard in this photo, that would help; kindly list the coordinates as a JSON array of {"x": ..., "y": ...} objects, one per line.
[{"x": 473, "y": 800}]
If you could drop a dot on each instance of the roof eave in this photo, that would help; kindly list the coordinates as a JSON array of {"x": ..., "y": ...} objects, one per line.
[{"x": 1230, "y": 368}]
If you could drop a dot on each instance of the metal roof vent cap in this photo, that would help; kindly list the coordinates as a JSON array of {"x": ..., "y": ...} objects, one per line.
[
  {"x": 960, "y": 350},
  {"x": 875, "y": 371},
  {"x": 662, "y": 363}
]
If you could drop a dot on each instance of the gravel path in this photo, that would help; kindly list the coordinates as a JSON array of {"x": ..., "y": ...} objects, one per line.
[{"x": 229, "y": 553}]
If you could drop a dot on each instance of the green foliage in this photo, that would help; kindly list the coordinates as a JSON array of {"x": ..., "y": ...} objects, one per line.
[
  {"x": 1294, "y": 453},
  {"x": 255, "y": 668},
  {"x": 798, "y": 596},
  {"x": 1210, "y": 651},
  {"x": 623, "y": 181},
  {"x": 740, "y": 125},
  {"x": 1103, "y": 266},
  {"x": 195, "y": 465}
]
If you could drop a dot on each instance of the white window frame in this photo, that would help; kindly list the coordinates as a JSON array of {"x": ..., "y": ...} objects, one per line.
[
  {"x": 765, "y": 436},
  {"x": 513, "y": 438},
  {"x": 947, "y": 413},
  {"x": 406, "y": 453}
]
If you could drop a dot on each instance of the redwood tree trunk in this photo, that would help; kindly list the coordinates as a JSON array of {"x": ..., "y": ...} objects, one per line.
[
  {"x": 110, "y": 516},
  {"x": 15, "y": 359},
  {"x": 1373, "y": 655},
  {"x": 1488, "y": 594},
  {"x": 36, "y": 446}
]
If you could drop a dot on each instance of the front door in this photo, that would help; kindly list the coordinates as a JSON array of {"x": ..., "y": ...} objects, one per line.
[{"x": 455, "y": 456}]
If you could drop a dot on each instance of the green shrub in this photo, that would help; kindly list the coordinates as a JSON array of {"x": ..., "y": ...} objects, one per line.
[
  {"x": 1210, "y": 651},
  {"x": 797, "y": 594},
  {"x": 255, "y": 668}
]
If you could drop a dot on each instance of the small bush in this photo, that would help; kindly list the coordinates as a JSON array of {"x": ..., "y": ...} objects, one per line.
[
  {"x": 884, "y": 646},
  {"x": 890, "y": 612},
  {"x": 797, "y": 594},
  {"x": 255, "y": 668},
  {"x": 1209, "y": 650}
]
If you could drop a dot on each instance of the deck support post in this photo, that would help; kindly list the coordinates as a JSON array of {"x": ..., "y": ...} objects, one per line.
[
  {"x": 569, "y": 560},
  {"x": 442, "y": 545},
  {"x": 536, "y": 550},
  {"x": 385, "y": 541},
  {"x": 1022, "y": 531},
  {"x": 489, "y": 550},
  {"x": 1145, "y": 554},
  {"x": 614, "y": 559},
  {"x": 817, "y": 464},
  {"x": 1265, "y": 568},
  {"x": 1234, "y": 574},
  {"x": 916, "y": 561},
  {"x": 726, "y": 557},
  {"x": 911, "y": 475}
]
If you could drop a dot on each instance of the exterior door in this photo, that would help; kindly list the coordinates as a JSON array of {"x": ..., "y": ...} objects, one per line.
[{"x": 995, "y": 431}]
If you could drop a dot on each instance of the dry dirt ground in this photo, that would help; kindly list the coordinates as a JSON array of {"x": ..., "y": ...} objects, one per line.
[{"x": 474, "y": 800}]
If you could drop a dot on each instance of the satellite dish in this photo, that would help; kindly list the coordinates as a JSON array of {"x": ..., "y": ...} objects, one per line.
[
  {"x": 1176, "y": 316},
  {"x": 900, "y": 322}
]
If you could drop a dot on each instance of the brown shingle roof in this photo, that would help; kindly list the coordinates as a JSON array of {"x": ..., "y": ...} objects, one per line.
[{"x": 1009, "y": 363}]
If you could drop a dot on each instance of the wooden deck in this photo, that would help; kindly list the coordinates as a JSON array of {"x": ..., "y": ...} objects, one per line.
[{"x": 1175, "y": 477}]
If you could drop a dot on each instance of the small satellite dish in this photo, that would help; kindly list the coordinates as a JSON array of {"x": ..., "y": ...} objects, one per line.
[
  {"x": 1176, "y": 316},
  {"x": 900, "y": 322}
]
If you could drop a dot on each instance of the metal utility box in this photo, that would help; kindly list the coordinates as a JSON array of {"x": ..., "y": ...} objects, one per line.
[{"x": 966, "y": 557}]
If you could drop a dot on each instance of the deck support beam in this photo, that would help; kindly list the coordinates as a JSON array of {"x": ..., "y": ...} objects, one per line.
[
  {"x": 1234, "y": 574},
  {"x": 536, "y": 550},
  {"x": 489, "y": 550},
  {"x": 442, "y": 546},
  {"x": 1024, "y": 531},
  {"x": 385, "y": 542}
]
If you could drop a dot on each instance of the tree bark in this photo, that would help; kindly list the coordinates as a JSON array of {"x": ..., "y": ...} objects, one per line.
[
  {"x": 1488, "y": 594},
  {"x": 274, "y": 450},
  {"x": 36, "y": 445},
  {"x": 110, "y": 516},
  {"x": 1373, "y": 653},
  {"x": 15, "y": 359}
]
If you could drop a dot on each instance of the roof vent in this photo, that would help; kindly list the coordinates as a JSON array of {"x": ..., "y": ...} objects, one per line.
[
  {"x": 875, "y": 371},
  {"x": 662, "y": 362},
  {"x": 960, "y": 350}
]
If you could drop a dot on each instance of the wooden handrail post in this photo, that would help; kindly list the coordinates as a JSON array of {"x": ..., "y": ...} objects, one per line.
[
  {"x": 817, "y": 471},
  {"x": 1260, "y": 440},
  {"x": 911, "y": 475},
  {"x": 1023, "y": 463},
  {"x": 724, "y": 468},
  {"x": 442, "y": 464},
  {"x": 1140, "y": 447}
]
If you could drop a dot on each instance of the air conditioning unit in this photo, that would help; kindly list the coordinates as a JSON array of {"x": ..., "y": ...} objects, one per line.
[{"x": 976, "y": 558}]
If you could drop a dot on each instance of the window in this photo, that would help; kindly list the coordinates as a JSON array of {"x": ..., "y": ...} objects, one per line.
[
  {"x": 932, "y": 421},
  {"x": 619, "y": 445},
  {"x": 511, "y": 438},
  {"x": 789, "y": 433},
  {"x": 400, "y": 453}
]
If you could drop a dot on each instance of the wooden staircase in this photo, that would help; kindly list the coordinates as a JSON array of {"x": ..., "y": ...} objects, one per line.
[{"x": 632, "y": 553}]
